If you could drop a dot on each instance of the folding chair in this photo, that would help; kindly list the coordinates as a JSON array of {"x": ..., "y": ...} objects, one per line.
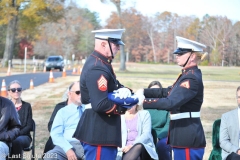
[{"x": 32, "y": 146}]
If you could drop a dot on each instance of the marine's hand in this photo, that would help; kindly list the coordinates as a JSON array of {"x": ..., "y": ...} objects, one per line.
[
  {"x": 123, "y": 93},
  {"x": 71, "y": 155},
  {"x": 139, "y": 91}
]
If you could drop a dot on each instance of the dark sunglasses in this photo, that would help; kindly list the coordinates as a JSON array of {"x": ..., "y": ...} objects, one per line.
[
  {"x": 76, "y": 92},
  {"x": 15, "y": 89}
]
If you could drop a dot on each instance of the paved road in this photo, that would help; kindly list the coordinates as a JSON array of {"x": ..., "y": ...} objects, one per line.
[{"x": 38, "y": 78}]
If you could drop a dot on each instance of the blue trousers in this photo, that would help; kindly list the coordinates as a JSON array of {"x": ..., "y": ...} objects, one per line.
[
  {"x": 188, "y": 153},
  {"x": 99, "y": 152},
  {"x": 17, "y": 146},
  {"x": 4, "y": 150},
  {"x": 164, "y": 150}
]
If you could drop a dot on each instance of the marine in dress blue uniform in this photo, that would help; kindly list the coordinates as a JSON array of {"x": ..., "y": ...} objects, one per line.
[
  {"x": 99, "y": 129},
  {"x": 184, "y": 100}
]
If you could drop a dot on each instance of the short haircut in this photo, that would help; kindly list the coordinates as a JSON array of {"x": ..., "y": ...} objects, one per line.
[
  {"x": 71, "y": 85},
  {"x": 65, "y": 94}
]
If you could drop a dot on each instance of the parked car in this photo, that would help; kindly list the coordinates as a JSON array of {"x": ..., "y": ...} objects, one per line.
[{"x": 54, "y": 62}]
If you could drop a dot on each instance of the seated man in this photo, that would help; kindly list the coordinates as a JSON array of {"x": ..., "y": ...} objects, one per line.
[
  {"x": 229, "y": 132},
  {"x": 9, "y": 125},
  {"x": 49, "y": 144},
  {"x": 63, "y": 127}
]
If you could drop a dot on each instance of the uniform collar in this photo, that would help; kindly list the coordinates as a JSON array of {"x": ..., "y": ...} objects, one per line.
[
  {"x": 102, "y": 57},
  {"x": 185, "y": 70}
]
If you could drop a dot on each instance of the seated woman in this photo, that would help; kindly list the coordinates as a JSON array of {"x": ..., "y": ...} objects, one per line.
[
  {"x": 137, "y": 141},
  {"x": 160, "y": 125},
  {"x": 24, "y": 110}
]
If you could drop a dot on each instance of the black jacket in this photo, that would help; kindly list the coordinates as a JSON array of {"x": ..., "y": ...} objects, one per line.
[
  {"x": 186, "y": 95},
  {"x": 9, "y": 122},
  {"x": 25, "y": 116},
  {"x": 100, "y": 125}
]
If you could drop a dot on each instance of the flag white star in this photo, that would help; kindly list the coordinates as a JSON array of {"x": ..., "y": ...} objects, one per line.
[{"x": 116, "y": 94}]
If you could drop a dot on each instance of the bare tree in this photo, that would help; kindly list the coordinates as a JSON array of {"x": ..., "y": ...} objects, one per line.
[
  {"x": 215, "y": 32},
  {"x": 150, "y": 26},
  {"x": 68, "y": 36},
  {"x": 117, "y": 3}
]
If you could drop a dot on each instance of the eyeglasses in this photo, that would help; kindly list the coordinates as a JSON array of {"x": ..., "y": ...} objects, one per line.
[
  {"x": 15, "y": 89},
  {"x": 76, "y": 92}
]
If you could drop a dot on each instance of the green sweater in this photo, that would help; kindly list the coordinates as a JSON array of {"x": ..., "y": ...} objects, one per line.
[{"x": 160, "y": 122}]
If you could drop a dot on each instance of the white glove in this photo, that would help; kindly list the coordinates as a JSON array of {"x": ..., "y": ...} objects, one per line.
[
  {"x": 123, "y": 93},
  {"x": 139, "y": 91},
  {"x": 140, "y": 96}
]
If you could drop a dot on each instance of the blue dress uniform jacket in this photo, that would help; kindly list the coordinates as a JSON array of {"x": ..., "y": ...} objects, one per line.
[
  {"x": 186, "y": 95},
  {"x": 100, "y": 125}
]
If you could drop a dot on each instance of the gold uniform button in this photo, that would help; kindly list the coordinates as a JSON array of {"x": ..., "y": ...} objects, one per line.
[
  {"x": 116, "y": 110},
  {"x": 109, "y": 115},
  {"x": 150, "y": 100}
]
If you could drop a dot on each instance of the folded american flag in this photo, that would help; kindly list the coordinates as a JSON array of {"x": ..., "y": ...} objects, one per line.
[{"x": 127, "y": 102}]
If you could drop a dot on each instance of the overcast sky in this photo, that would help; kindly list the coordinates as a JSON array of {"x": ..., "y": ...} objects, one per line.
[{"x": 199, "y": 8}]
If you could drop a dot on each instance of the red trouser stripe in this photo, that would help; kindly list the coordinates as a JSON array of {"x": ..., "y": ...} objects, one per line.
[
  {"x": 187, "y": 153},
  {"x": 98, "y": 157}
]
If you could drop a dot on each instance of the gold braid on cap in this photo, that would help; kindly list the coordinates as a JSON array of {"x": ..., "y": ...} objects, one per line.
[
  {"x": 201, "y": 55},
  {"x": 204, "y": 56}
]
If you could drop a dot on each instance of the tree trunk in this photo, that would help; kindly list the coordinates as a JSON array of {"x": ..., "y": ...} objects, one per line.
[
  {"x": 122, "y": 59},
  {"x": 127, "y": 55},
  {"x": 122, "y": 53},
  {"x": 153, "y": 47},
  {"x": 11, "y": 30}
]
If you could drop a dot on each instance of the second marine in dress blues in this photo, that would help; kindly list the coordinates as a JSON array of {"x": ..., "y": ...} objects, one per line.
[
  {"x": 184, "y": 100},
  {"x": 185, "y": 96}
]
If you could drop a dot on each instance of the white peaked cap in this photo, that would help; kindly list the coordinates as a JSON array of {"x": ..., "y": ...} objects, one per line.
[
  {"x": 112, "y": 35},
  {"x": 184, "y": 43},
  {"x": 109, "y": 33}
]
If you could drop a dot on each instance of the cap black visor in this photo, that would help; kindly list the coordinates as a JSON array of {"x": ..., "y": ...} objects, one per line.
[
  {"x": 113, "y": 40},
  {"x": 182, "y": 51},
  {"x": 116, "y": 41}
]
